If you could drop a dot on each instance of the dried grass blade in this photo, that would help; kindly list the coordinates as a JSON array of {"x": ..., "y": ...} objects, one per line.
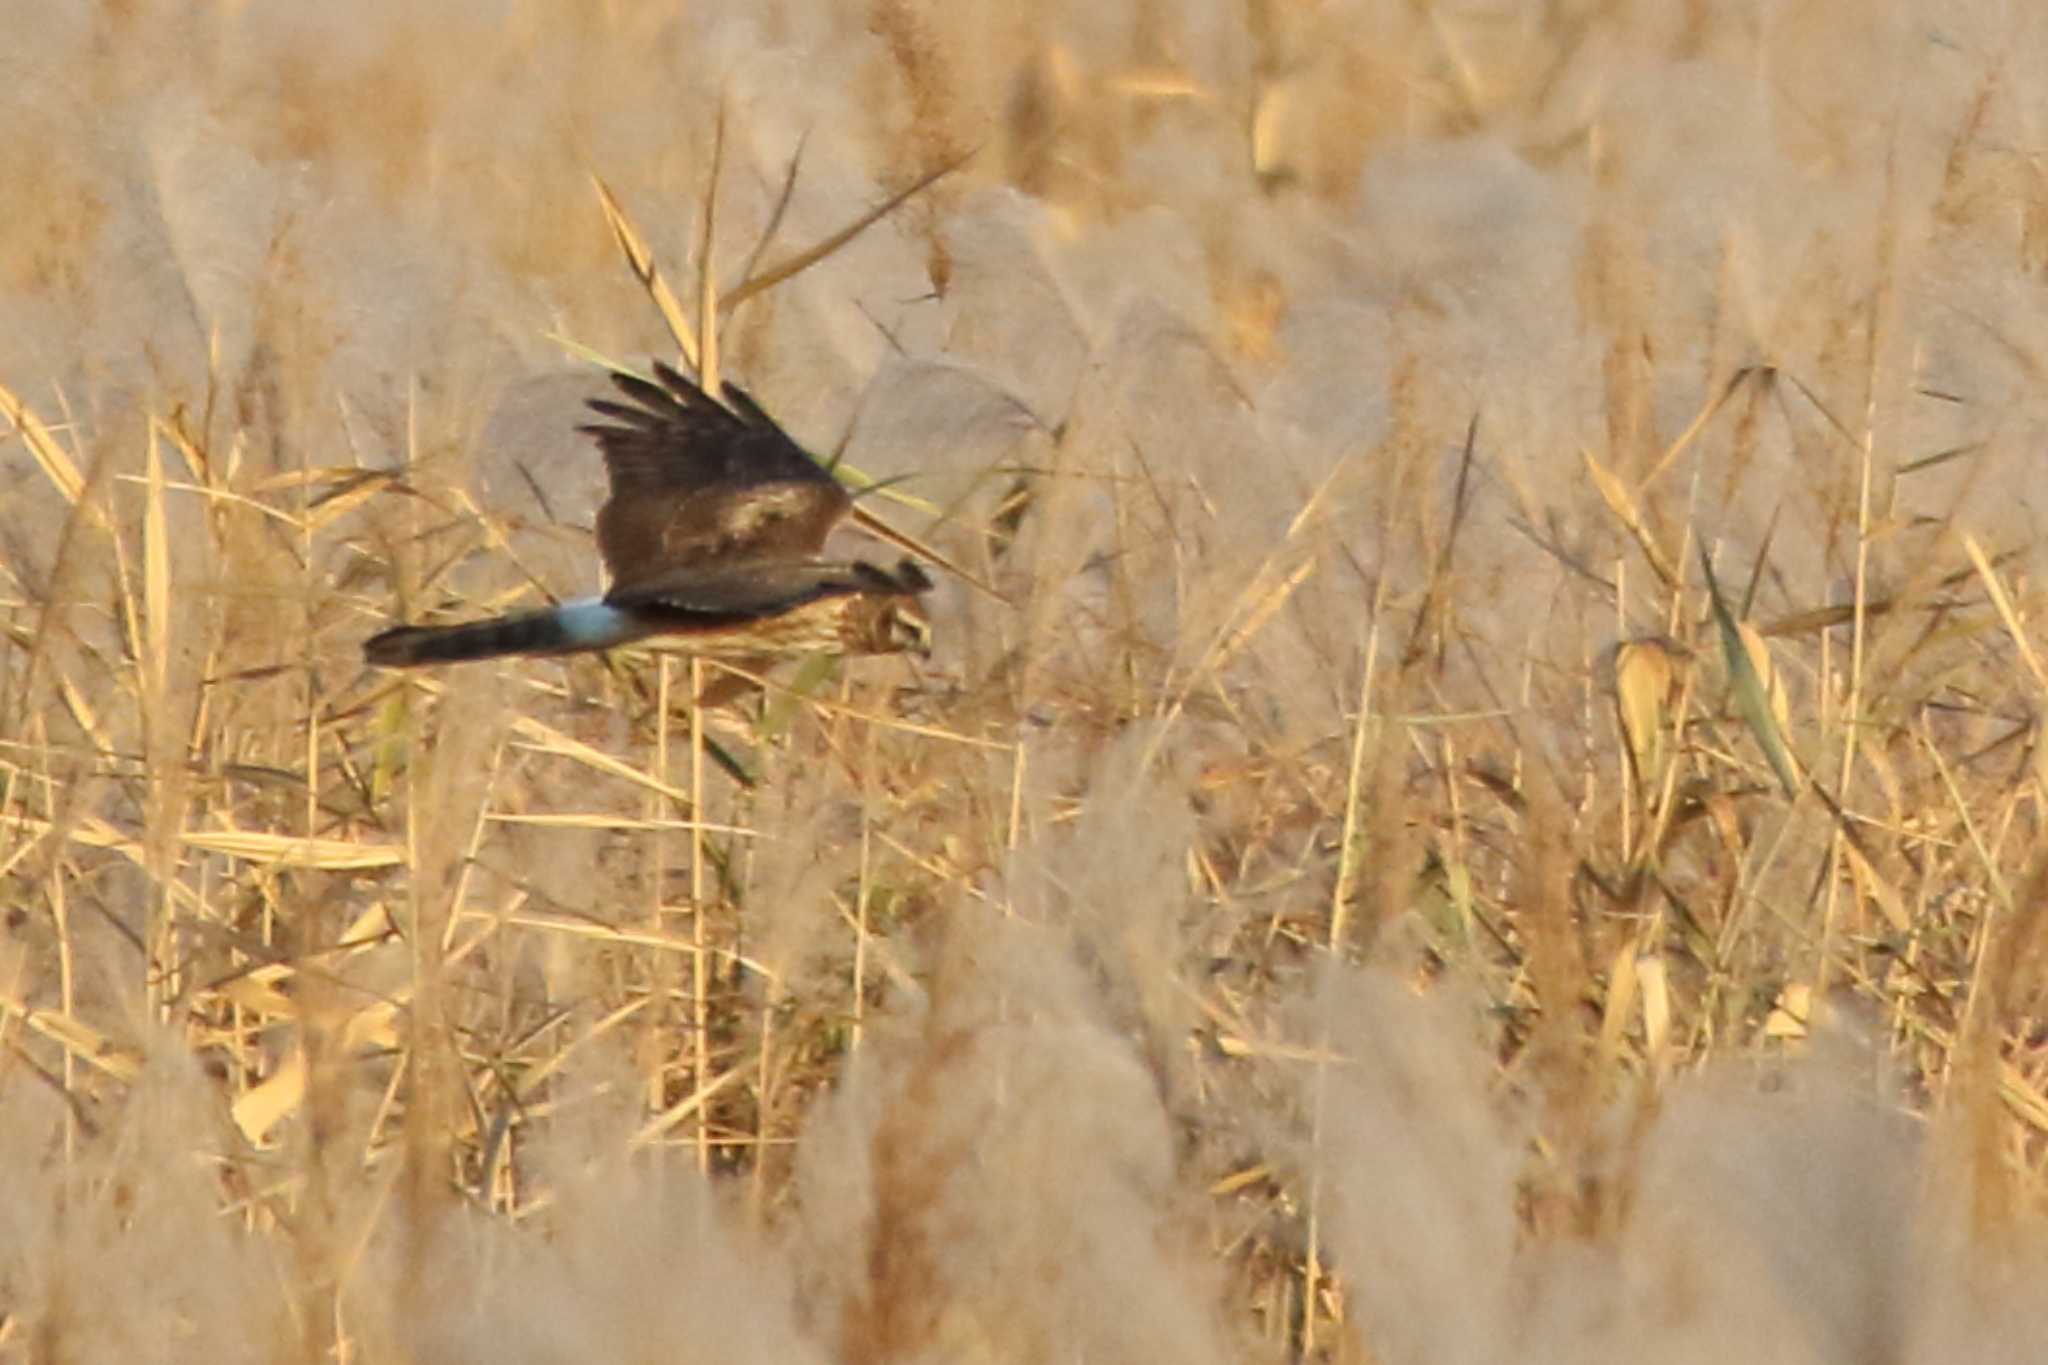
[
  {"x": 1941, "y": 457},
  {"x": 331, "y": 507},
  {"x": 196, "y": 462},
  {"x": 652, "y": 1131},
  {"x": 1705, "y": 415},
  {"x": 903, "y": 540},
  {"x": 1263, "y": 596},
  {"x": 2003, "y": 603},
  {"x": 262, "y": 991},
  {"x": 606, "y": 821},
  {"x": 1656, "y": 986},
  {"x": 156, "y": 578},
  {"x": 707, "y": 274},
  {"x": 1817, "y": 619},
  {"x": 1623, "y": 504},
  {"x": 795, "y": 265},
  {"x": 1620, "y": 1003},
  {"x": 640, "y": 259},
  {"x": 42, "y": 444},
  {"x": 1349, "y": 853},
  {"x": 1791, "y": 1013},
  {"x": 2022, "y": 1097},
  {"x": 1266, "y": 594},
  {"x": 283, "y": 850},
  {"x": 1263, "y": 608},
  {"x": 555, "y": 742},
  {"x": 1806, "y": 392},
  {"x": 865, "y": 485},
  {"x": 780, "y": 211},
  {"x": 1274, "y": 105},
  {"x": 81, "y": 1040},
  {"x": 91, "y": 831},
  {"x": 282, "y": 1092},
  {"x": 1972, "y": 828},
  {"x": 82, "y": 711},
  {"x": 267, "y": 1103},
  {"x": 1160, "y": 83},
  {"x": 599, "y": 931},
  {"x": 1872, "y": 886},
  {"x": 221, "y": 495}
]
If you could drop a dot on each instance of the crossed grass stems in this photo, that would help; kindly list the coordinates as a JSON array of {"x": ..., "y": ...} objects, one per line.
[{"x": 1950, "y": 970}]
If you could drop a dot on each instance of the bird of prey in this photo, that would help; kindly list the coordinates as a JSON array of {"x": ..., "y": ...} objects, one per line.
[{"x": 712, "y": 540}]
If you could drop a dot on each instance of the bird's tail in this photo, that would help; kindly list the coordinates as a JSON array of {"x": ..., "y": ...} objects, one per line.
[{"x": 558, "y": 630}]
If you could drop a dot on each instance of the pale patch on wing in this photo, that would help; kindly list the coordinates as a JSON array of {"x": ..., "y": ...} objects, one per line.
[{"x": 643, "y": 534}]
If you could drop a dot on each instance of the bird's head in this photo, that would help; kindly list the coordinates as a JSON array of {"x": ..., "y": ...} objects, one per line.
[
  {"x": 909, "y": 630},
  {"x": 890, "y": 619}
]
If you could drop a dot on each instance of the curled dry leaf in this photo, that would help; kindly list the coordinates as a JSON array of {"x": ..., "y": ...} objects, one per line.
[
  {"x": 1645, "y": 673},
  {"x": 1623, "y": 504}
]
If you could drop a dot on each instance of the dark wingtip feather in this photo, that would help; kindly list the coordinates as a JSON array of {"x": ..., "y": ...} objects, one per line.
[
  {"x": 622, "y": 412},
  {"x": 746, "y": 409},
  {"x": 909, "y": 578},
  {"x": 674, "y": 441},
  {"x": 683, "y": 390},
  {"x": 673, "y": 399},
  {"x": 658, "y": 399}
]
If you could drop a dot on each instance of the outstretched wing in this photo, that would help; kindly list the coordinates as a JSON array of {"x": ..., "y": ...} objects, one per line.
[{"x": 698, "y": 484}]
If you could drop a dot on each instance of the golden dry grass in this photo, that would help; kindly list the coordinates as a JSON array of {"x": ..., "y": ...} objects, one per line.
[{"x": 1498, "y": 812}]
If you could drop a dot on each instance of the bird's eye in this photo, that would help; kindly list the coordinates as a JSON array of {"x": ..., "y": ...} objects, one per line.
[{"x": 912, "y": 632}]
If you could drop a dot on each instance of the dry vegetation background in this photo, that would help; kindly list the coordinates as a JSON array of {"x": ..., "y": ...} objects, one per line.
[{"x": 1289, "y": 927}]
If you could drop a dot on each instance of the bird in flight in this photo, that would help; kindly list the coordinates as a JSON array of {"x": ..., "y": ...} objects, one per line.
[{"x": 712, "y": 540}]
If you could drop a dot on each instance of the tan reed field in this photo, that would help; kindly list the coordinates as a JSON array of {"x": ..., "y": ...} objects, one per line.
[{"x": 1479, "y": 794}]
